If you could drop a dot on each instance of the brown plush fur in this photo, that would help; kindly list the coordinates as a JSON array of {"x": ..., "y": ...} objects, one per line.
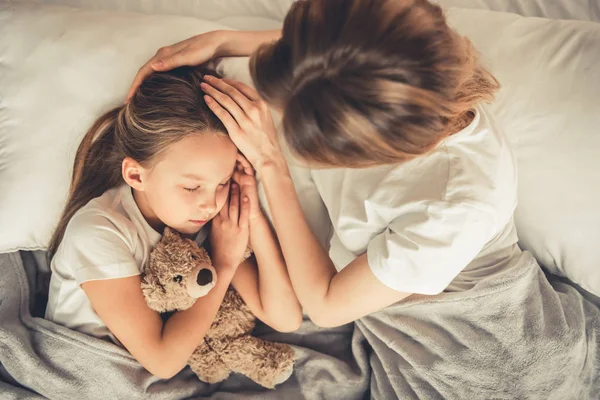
[
  {"x": 228, "y": 346},
  {"x": 172, "y": 257}
]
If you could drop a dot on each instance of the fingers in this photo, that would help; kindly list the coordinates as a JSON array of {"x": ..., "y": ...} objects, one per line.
[
  {"x": 226, "y": 102},
  {"x": 142, "y": 74},
  {"x": 230, "y": 123},
  {"x": 245, "y": 164},
  {"x": 168, "y": 62},
  {"x": 234, "y": 202},
  {"x": 166, "y": 58},
  {"x": 243, "y": 88},
  {"x": 248, "y": 188},
  {"x": 244, "y": 213},
  {"x": 237, "y": 175},
  {"x": 224, "y": 213},
  {"x": 221, "y": 85}
]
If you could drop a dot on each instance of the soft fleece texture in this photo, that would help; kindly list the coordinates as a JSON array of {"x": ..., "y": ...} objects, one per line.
[
  {"x": 514, "y": 335},
  {"x": 61, "y": 67}
]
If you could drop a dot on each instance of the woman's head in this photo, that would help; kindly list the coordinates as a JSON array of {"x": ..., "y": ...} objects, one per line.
[
  {"x": 363, "y": 83},
  {"x": 167, "y": 145}
]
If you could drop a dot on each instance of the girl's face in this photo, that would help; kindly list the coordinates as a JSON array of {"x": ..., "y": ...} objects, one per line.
[{"x": 189, "y": 184}]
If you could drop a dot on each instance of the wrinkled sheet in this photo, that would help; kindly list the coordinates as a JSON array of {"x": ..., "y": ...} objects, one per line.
[
  {"x": 40, "y": 359},
  {"x": 514, "y": 335},
  {"x": 229, "y": 11}
]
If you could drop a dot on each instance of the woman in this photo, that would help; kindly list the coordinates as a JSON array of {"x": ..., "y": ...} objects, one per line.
[{"x": 382, "y": 102}]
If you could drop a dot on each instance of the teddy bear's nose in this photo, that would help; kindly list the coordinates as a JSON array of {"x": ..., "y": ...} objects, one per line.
[{"x": 204, "y": 277}]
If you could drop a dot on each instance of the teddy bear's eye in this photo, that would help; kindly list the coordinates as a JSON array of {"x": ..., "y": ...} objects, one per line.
[{"x": 178, "y": 278}]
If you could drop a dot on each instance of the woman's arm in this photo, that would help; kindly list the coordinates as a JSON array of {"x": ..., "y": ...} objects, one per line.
[
  {"x": 202, "y": 48},
  {"x": 328, "y": 297},
  {"x": 162, "y": 349},
  {"x": 262, "y": 280}
]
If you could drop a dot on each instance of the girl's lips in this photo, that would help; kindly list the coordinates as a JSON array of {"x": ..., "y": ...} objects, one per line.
[{"x": 197, "y": 221}]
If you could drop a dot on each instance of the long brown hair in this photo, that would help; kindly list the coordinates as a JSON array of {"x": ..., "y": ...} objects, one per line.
[
  {"x": 364, "y": 83},
  {"x": 167, "y": 107}
]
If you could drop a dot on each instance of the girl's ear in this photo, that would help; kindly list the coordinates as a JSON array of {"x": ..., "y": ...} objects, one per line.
[{"x": 133, "y": 173}]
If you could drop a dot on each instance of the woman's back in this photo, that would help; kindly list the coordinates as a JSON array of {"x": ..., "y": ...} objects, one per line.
[{"x": 421, "y": 222}]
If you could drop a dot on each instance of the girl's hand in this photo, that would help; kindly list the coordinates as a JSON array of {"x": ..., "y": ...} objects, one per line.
[
  {"x": 247, "y": 119},
  {"x": 193, "y": 51},
  {"x": 229, "y": 233},
  {"x": 244, "y": 177}
]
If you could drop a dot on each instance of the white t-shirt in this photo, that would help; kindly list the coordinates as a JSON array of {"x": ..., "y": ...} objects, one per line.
[
  {"x": 108, "y": 238},
  {"x": 425, "y": 221}
]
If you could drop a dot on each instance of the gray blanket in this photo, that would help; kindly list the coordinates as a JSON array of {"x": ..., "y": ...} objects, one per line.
[{"x": 513, "y": 335}]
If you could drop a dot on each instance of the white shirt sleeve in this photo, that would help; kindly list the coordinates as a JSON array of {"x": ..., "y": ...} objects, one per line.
[
  {"x": 424, "y": 250},
  {"x": 94, "y": 248}
]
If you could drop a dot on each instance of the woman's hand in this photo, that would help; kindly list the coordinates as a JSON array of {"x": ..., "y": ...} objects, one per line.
[
  {"x": 244, "y": 177},
  {"x": 247, "y": 119},
  {"x": 229, "y": 233},
  {"x": 202, "y": 48},
  {"x": 193, "y": 51}
]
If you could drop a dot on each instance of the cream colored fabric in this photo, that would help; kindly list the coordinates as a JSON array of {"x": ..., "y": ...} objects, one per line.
[
  {"x": 108, "y": 238},
  {"x": 274, "y": 10}
]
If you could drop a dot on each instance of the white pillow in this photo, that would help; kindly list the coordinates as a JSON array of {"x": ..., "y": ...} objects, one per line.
[
  {"x": 582, "y": 10},
  {"x": 214, "y": 10},
  {"x": 210, "y": 10},
  {"x": 61, "y": 68},
  {"x": 549, "y": 107}
]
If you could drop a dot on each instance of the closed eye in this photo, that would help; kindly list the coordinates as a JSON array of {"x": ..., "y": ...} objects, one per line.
[
  {"x": 225, "y": 183},
  {"x": 192, "y": 189}
]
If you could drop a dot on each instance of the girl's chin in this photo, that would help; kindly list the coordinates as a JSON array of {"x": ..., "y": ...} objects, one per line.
[{"x": 189, "y": 229}]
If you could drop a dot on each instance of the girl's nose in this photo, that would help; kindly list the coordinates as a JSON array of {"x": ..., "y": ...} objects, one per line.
[{"x": 208, "y": 206}]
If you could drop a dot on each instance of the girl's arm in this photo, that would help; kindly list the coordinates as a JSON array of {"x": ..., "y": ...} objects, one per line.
[
  {"x": 262, "y": 280},
  {"x": 202, "y": 48},
  {"x": 164, "y": 349},
  {"x": 328, "y": 297}
]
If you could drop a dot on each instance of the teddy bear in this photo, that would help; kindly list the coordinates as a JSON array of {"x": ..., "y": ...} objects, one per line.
[{"x": 178, "y": 272}]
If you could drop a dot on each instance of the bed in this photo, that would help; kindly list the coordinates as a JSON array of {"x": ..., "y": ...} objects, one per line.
[{"x": 54, "y": 81}]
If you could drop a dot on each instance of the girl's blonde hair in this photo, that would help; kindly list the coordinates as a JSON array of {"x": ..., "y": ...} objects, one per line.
[
  {"x": 166, "y": 108},
  {"x": 364, "y": 83}
]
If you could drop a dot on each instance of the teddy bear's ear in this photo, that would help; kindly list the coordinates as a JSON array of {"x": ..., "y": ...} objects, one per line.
[
  {"x": 169, "y": 232},
  {"x": 203, "y": 256},
  {"x": 170, "y": 235}
]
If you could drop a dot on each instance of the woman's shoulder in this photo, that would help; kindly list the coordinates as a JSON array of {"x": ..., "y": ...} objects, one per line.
[
  {"x": 474, "y": 167},
  {"x": 481, "y": 164},
  {"x": 482, "y": 138}
]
